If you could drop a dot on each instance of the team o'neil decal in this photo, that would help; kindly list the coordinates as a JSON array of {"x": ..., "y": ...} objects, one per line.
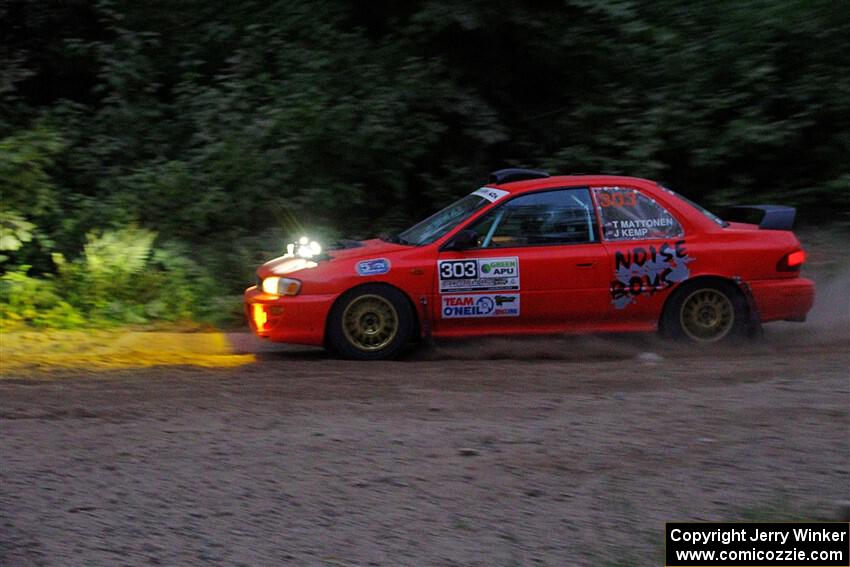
[
  {"x": 374, "y": 267},
  {"x": 646, "y": 270},
  {"x": 480, "y": 305},
  {"x": 478, "y": 274}
]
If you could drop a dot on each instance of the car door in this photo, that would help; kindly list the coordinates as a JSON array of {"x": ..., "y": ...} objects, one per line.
[
  {"x": 538, "y": 267},
  {"x": 647, "y": 254}
]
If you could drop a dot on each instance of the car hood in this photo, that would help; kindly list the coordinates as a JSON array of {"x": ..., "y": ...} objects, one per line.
[
  {"x": 354, "y": 250},
  {"x": 366, "y": 248}
]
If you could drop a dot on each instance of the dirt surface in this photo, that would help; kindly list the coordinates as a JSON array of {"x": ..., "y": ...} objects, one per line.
[{"x": 566, "y": 451}]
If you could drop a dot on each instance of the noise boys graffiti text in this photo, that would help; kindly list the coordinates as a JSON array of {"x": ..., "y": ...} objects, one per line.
[{"x": 647, "y": 270}]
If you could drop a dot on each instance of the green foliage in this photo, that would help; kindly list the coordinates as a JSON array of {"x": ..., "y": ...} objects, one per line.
[
  {"x": 28, "y": 194},
  {"x": 25, "y": 159},
  {"x": 107, "y": 280},
  {"x": 120, "y": 278},
  {"x": 15, "y": 231},
  {"x": 26, "y": 300}
]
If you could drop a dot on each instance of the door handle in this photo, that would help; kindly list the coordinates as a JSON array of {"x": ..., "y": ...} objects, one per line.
[{"x": 585, "y": 265}]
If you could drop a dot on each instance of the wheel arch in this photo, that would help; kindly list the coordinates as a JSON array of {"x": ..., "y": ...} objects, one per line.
[{"x": 413, "y": 307}]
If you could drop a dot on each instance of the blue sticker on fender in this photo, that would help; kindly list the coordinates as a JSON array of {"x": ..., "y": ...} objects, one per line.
[{"x": 373, "y": 267}]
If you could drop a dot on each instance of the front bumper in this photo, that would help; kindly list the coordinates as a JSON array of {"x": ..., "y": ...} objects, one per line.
[
  {"x": 784, "y": 299},
  {"x": 298, "y": 319}
]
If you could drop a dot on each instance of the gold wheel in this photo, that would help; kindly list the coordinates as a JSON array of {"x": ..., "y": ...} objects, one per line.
[
  {"x": 370, "y": 322},
  {"x": 707, "y": 315}
]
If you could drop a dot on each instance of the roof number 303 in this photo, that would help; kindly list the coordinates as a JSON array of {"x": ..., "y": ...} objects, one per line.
[
  {"x": 458, "y": 270},
  {"x": 619, "y": 199}
]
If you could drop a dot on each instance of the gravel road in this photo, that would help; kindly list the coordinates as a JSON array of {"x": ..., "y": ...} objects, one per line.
[{"x": 540, "y": 452}]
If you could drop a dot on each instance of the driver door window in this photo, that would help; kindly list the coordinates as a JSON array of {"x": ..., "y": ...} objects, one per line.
[{"x": 563, "y": 216}]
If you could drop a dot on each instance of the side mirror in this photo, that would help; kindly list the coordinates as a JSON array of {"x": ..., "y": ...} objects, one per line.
[{"x": 463, "y": 240}]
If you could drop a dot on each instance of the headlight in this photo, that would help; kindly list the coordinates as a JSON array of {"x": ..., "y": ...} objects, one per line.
[{"x": 275, "y": 285}]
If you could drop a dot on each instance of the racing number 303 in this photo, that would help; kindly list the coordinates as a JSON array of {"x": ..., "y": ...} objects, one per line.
[
  {"x": 618, "y": 199},
  {"x": 458, "y": 270}
]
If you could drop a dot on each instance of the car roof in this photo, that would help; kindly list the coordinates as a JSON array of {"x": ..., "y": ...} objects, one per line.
[
  {"x": 651, "y": 188},
  {"x": 516, "y": 187}
]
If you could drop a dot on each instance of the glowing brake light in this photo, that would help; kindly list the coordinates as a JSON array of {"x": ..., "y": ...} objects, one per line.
[
  {"x": 792, "y": 261},
  {"x": 796, "y": 258}
]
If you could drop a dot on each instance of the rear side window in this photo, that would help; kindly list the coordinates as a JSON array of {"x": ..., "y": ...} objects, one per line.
[
  {"x": 628, "y": 214},
  {"x": 562, "y": 216}
]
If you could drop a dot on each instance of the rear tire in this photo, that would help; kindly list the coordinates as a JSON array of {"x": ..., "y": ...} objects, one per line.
[
  {"x": 705, "y": 313},
  {"x": 370, "y": 322}
]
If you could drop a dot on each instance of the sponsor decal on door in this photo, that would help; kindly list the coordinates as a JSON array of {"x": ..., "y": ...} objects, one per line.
[
  {"x": 480, "y": 305},
  {"x": 479, "y": 274}
]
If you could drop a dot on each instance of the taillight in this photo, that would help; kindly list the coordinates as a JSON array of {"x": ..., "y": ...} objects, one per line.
[{"x": 791, "y": 262}]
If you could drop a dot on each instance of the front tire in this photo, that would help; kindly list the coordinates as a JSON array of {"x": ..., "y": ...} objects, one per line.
[
  {"x": 706, "y": 312},
  {"x": 370, "y": 322}
]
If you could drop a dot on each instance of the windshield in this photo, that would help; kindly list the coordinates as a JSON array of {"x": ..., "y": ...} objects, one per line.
[
  {"x": 699, "y": 207},
  {"x": 443, "y": 221}
]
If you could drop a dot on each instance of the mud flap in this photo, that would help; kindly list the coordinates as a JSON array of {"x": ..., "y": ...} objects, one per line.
[
  {"x": 755, "y": 330},
  {"x": 425, "y": 318}
]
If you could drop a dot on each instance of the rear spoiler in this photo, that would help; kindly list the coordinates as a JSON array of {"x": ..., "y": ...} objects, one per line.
[{"x": 768, "y": 217}]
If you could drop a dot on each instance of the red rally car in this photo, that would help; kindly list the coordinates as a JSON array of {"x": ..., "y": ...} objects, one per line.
[{"x": 534, "y": 254}]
